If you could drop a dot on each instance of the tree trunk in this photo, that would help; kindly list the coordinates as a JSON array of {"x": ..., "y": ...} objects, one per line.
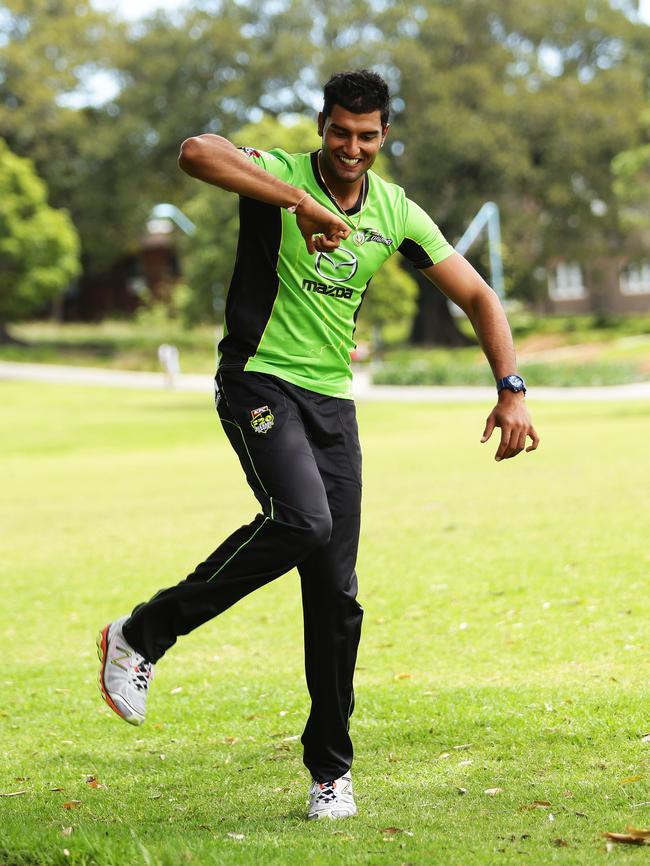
[
  {"x": 433, "y": 324},
  {"x": 7, "y": 339}
]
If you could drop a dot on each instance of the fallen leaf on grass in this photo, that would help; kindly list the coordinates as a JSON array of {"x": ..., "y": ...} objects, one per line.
[
  {"x": 628, "y": 779},
  {"x": 66, "y": 831},
  {"x": 444, "y": 755},
  {"x": 13, "y": 794},
  {"x": 71, "y": 804},
  {"x": 93, "y": 782},
  {"x": 560, "y": 843},
  {"x": 57, "y": 790},
  {"x": 230, "y": 741},
  {"x": 237, "y": 836},
  {"x": 634, "y": 836},
  {"x": 645, "y": 738},
  {"x": 403, "y": 676},
  {"x": 493, "y": 791},
  {"x": 462, "y": 746},
  {"x": 536, "y": 804},
  {"x": 393, "y": 831},
  {"x": 156, "y": 796},
  {"x": 176, "y": 691}
]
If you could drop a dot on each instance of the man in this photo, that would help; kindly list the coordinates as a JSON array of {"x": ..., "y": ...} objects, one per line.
[{"x": 314, "y": 228}]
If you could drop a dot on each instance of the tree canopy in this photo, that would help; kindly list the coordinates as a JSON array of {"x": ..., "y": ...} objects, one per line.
[
  {"x": 528, "y": 104},
  {"x": 39, "y": 247}
]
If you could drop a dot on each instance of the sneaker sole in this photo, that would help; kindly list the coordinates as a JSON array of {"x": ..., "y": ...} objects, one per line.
[
  {"x": 102, "y": 639},
  {"x": 330, "y": 817}
]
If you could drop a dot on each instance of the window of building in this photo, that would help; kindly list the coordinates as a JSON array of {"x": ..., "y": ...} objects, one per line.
[
  {"x": 635, "y": 279},
  {"x": 565, "y": 282}
]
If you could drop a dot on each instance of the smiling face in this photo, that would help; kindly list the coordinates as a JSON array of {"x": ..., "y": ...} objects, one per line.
[{"x": 350, "y": 143}]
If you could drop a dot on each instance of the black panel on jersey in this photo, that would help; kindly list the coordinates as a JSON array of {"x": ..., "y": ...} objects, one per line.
[
  {"x": 254, "y": 284},
  {"x": 416, "y": 254}
]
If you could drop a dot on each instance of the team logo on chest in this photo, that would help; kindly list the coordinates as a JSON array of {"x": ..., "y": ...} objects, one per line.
[
  {"x": 365, "y": 236},
  {"x": 262, "y": 419}
]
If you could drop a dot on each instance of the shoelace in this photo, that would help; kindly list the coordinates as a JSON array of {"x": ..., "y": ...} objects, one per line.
[
  {"x": 140, "y": 673},
  {"x": 327, "y": 792}
]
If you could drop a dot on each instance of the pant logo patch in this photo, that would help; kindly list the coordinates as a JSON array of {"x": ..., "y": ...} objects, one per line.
[{"x": 262, "y": 419}]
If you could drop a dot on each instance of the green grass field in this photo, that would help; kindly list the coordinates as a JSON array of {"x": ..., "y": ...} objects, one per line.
[{"x": 505, "y": 643}]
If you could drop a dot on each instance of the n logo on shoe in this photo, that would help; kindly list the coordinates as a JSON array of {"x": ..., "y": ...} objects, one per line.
[{"x": 116, "y": 661}]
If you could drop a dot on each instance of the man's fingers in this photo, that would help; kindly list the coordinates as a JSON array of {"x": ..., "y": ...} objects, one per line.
[
  {"x": 521, "y": 441},
  {"x": 311, "y": 246},
  {"x": 489, "y": 427},
  {"x": 503, "y": 449},
  {"x": 324, "y": 244},
  {"x": 535, "y": 439}
]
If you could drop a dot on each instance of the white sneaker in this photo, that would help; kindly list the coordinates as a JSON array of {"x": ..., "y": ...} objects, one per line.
[
  {"x": 125, "y": 675},
  {"x": 332, "y": 799}
]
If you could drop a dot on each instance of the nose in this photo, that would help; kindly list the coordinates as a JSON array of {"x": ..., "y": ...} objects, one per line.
[{"x": 353, "y": 149}]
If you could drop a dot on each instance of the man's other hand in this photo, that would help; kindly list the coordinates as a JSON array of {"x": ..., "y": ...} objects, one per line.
[
  {"x": 322, "y": 230},
  {"x": 511, "y": 415}
]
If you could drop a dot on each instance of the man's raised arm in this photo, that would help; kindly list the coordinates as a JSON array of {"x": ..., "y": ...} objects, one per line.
[
  {"x": 215, "y": 160},
  {"x": 466, "y": 288}
]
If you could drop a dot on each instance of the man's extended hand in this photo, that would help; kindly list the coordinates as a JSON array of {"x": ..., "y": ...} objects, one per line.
[
  {"x": 321, "y": 229},
  {"x": 511, "y": 415}
]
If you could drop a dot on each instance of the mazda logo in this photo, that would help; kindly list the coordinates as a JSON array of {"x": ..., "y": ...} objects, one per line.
[{"x": 339, "y": 266}]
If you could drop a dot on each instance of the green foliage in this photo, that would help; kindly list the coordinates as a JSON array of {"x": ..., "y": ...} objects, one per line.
[
  {"x": 528, "y": 104},
  {"x": 631, "y": 170},
  {"x": 553, "y": 375},
  {"x": 39, "y": 247}
]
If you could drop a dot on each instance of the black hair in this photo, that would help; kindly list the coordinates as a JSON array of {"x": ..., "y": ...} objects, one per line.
[{"x": 360, "y": 92}]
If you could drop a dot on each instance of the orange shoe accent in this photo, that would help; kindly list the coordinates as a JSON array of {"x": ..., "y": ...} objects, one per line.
[{"x": 102, "y": 648}]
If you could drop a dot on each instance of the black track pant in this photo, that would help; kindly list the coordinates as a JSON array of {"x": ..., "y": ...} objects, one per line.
[{"x": 300, "y": 452}]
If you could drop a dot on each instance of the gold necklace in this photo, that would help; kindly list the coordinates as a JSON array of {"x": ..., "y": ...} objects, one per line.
[{"x": 358, "y": 236}]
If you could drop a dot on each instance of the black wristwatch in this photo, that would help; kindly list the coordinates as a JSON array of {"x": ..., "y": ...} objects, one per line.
[{"x": 512, "y": 383}]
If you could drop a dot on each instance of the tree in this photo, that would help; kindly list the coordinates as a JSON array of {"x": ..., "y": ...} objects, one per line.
[{"x": 39, "y": 247}]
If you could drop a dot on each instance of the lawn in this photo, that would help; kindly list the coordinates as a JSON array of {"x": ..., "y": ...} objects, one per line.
[{"x": 505, "y": 643}]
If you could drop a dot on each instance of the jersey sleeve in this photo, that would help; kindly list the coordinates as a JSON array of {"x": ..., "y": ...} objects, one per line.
[
  {"x": 277, "y": 162},
  {"x": 424, "y": 244}
]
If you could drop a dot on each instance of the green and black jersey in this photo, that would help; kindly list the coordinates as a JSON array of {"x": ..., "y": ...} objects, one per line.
[{"x": 292, "y": 314}]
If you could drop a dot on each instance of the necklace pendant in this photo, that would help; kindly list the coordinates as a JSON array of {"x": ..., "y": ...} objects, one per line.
[{"x": 359, "y": 237}]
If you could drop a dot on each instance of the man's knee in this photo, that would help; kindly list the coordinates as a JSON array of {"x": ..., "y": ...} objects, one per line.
[
  {"x": 308, "y": 530},
  {"x": 319, "y": 529}
]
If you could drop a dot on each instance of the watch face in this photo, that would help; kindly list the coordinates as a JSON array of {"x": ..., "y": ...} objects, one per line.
[{"x": 516, "y": 382}]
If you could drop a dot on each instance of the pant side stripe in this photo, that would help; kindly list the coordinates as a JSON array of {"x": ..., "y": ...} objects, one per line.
[
  {"x": 241, "y": 433},
  {"x": 241, "y": 546}
]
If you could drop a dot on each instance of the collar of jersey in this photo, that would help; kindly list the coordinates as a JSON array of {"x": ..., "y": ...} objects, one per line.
[{"x": 363, "y": 195}]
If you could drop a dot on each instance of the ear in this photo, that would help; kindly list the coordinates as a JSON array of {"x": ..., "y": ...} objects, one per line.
[{"x": 321, "y": 123}]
